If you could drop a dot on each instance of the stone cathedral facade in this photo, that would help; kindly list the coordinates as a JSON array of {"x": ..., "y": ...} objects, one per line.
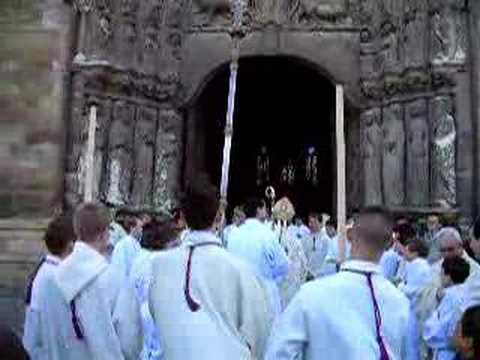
[{"x": 409, "y": 69}]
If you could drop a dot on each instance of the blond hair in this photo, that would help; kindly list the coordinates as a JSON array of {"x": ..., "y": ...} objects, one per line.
[{"x": 90, "y": 220}]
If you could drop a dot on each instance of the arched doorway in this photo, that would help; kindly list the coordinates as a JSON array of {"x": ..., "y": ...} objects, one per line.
[{"x": 283, "y": 106}]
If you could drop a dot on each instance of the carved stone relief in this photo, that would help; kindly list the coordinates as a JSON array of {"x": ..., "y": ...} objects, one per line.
[
  {"x": 314, "y": 11},
  {"x": 449, "y": 31},
  {"x": 168, "y": 158},
  {"x": 393, "y": 169},
  {"x": 443, "y": 151},
  {"x": 145, "y": 129},
  {"x": 120, "y": 150},
  {"x": 372, "y": 144},
  {"x": 415, "y": 33},
  {"x": 417, "y": 153},
  {"x": 211, "y": 12}
]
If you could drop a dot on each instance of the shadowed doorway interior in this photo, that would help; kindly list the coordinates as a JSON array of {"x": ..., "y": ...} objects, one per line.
[{"x": 284, "y": 133}]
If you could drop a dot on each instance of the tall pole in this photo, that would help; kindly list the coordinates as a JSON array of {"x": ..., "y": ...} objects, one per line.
[
  {"x": 238, "y": 11},
  {"x": 341, "y": 170},
  {"x": 90, "y": 158}
]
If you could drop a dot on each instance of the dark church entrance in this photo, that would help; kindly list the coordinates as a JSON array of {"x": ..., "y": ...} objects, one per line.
[{"x": 284, "y": 133}]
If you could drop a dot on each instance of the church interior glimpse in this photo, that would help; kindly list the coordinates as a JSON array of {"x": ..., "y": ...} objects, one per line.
[{"x": 284, "y": 132}]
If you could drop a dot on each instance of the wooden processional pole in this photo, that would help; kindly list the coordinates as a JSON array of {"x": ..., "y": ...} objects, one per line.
[
  {"x": 341, "y": 170},
  {"x": 238, "y": 10},
  {"x": 90, "y": 157}
]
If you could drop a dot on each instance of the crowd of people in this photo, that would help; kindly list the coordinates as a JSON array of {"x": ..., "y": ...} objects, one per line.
[{"x": 266, "y": 286}]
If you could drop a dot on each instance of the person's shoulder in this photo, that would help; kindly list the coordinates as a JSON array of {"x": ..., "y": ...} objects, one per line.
[{"x": 392, "y": 293}]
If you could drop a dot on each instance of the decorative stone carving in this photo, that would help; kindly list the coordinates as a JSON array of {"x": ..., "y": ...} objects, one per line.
[
  {"x": 168, "y": 160},
  {"x": 211, "y": 12},
  {"x": 144, "y": 156},
  {"x": 312, "y": 11},
  {"x": 126, "y": 30},
  {"x": 417, "y": 153},
  {"x": 372, "y": 146},
  {"x": 390, "y": 48},
  {"x": 415, "y": 33},
  {"x": 443, "y": 151},
  {"x": 120, "y": 149},
  {"x": 449, "y": 31},
  {"x": 393, "y": 155}
]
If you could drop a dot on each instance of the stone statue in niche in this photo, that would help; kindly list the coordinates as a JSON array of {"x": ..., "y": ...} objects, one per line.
[
  {"x": 415, "y": 33},
  {"x": 449, "y": 32},
  {"x": 168, "y": 158},
  {"x": 145, "y": 129},
  {"x": 393, "y": 155},
  {"x": 390, "y": 48},
  {"x": 151, "y": 47},
  {"x": 311, "y": 167},
  {"x": 417, "y": 153},
  {"x": 444, "y": 189},
  {"x": 287, "y": 175},
  {"x": 263, "y": 168},
  {"x": 318, "y": 10},
  {"x": 211, "y": 12},
  {"x": 101, "y": 135},
  {"x": 373, "y": 146},
  {"x": 120, "y": 148},
  {"x": 125, "y": 38},
  {"x": 270, "y": 11}
]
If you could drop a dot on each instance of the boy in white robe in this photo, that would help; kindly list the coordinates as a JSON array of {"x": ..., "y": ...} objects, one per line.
[
  {"x": 355, "y": 314},
  {"x": 59, "y": 239},
  {"x": 437, "y": 327},
  {"x": 256, "y": 244},
  {"x": 206, "y": 303},
  {"x": 127, "y": 248},
  {"x": 317, "y": 246},
  {"x": 88, "y": 310},
  {"x": 417, "y": 270},
  {"x": 156, "y": 237}
]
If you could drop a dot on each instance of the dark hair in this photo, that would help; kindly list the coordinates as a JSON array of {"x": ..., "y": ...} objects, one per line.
[
  {"x": 158, "y": 235},
  {"x": 417, "y": 245},
  {"x": 314, "y": 215},
  {"x": 128, "y": 223},
  {"x": 252, "y": 205},
  {"x": 11, "y": 346},
  {"x": 405, "y": 231},
  {"x": 476, "y": 229},
  {"x": 377, "y": 234},
  {"x": 201, "y": 204},
  {"x": 90, "y": 220},
  {"x": 471, "y": 328},
  {"x": 59, "y": 234},
  {"x": 457, "y": 268}
]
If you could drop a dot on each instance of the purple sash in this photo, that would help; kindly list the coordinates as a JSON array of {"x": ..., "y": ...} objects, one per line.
[{"x": 376, "y": 310}]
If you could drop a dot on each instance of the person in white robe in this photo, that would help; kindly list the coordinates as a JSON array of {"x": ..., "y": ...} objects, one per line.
[
  {"x": 283, "y": 211},
  {"x": 437, "y": 327},
  {"x": 206, "y": 303},
  {"x": 59, "y": 239},
  {"x": 88, "y": 310},
  {"x": 127, "y": 248},
  {"x": 156, "y": 237},
  {"x": 355, "y": 314},
  {"x": 317, "y": 246},
  {"x": 237, "y": 220},
  {"x": 390, "y": 264},
  {"x": 256, "y": 244}
]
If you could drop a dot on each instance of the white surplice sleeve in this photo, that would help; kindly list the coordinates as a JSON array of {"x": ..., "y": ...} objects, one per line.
[
  {"x": 276, "y": 259},
  {"x": 289, "y": 335},
  {"x": 128, "y": 323}
]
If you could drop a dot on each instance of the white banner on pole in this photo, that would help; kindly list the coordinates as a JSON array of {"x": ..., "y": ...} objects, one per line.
[{"x": 90, "y": 158}]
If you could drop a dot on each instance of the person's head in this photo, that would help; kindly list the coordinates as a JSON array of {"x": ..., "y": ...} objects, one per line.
[
  {"x": 179, "y": 218},
  {"x": 255, "y": 208},
  {"x": 470, "y": 333},
  {"x": 416, "y": 248},
  {"x": 433, "y": 223},
  {"x": 60, "y": 236},
  {"x": 372, "y": 234},
  {"x": 449, "y": 242},
  {"x": 455, "y": 270},
  {"x": 297, "y": 221},
  {"x": 158, "y": 235},
  {"x": 314, "y": 223},
  {"x": 91, "y": 223},
  {"x": 129, "y": 222},
  {"x": 331, "y": 228},
  {"x": 475, "y": 238},
  {"x": 201, "y": 205},
  {"x": 238, "y": 215}
]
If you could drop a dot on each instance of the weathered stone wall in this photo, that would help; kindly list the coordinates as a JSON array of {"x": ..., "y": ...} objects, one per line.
[{"x": 33, "y": 48}]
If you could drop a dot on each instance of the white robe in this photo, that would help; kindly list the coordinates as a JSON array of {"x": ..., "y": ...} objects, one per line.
[
  {"x": 418, "y": 274},
  {"x": 124, "y": 254},
  {"x": 333, "y": 318},
  {"x": 257, "y": 244},
  {"x": 297, "y": 265},
  {"x": 105, "y": 306},
  {"x": 439, "y": 325},
  {"x": 141, "y": 279},
  {"x": 317, "y": 248},
  {"x": 390, "y": 264},
  {"x": 233, "y": 316},
  {"x": 32, "y": 340}
]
